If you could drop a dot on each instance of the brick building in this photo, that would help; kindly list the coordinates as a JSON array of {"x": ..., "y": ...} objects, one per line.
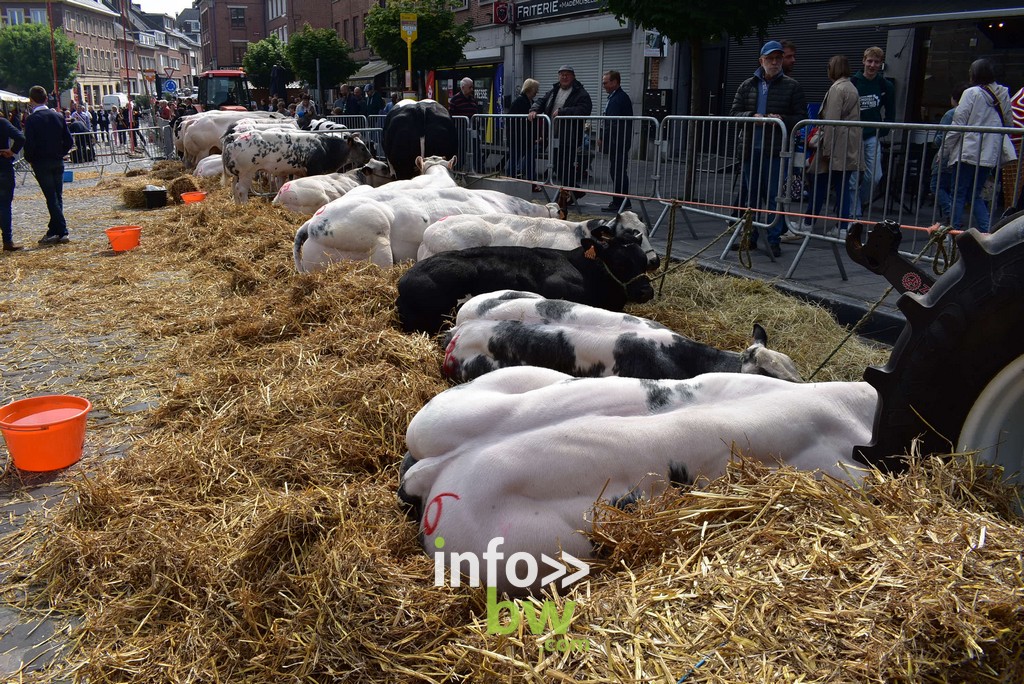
[{"x": 227, "y": 28}]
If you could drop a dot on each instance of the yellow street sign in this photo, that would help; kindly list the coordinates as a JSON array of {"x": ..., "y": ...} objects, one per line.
[{"x": 408, "y": 27}]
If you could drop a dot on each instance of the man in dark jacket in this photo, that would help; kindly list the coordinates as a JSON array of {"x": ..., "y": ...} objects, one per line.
[
  {"x": 616, "y": 140},
  {"x": 47, "y": 140},
  {"x": 11, "y": 141},
  {"x": 568, "y": 97},
  {"x": 769, "y": 93}
]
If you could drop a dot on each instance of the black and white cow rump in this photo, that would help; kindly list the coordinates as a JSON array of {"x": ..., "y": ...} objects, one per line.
[
  {"x": 417, "y": 129},
  {"x": 510, "y": 328},
  {"x": 284, "y": 153},
  {"x": 606, "y": 273}
]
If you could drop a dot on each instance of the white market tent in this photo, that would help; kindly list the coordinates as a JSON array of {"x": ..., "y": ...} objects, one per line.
[{"x": 7, "y": 96}]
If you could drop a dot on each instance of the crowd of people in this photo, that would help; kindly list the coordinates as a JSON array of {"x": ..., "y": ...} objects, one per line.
[{"x": 846, "y": 162}]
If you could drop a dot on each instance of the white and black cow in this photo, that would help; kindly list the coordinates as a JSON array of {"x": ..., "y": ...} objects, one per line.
[
  {"x": 210, "y": 167},
  {"x": 523, "y": 453},
  {"x": 417, "y": 129},
  {"x": 200, "y": 134},
  {"x": 512, "y": 328},
  {"x": 385, "y": 225},
  {"x": 306, "y": 195},
  {"x": 494, "y": 230},
  {"x": 608, "y": 272},
  {"x": 283, "y": 153}
]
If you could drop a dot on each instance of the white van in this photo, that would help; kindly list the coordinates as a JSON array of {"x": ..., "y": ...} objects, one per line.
[{"x": 115, "y": 99}]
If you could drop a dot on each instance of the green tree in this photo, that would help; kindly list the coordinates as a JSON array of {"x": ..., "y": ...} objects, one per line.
[
  {"x": 261, "y": 57},
  {"x": 440, "y": 42},
  {"x": 336, "y": 64},
  {"x": 25, "y": 58},
  {"x": 698, "y": 21}
]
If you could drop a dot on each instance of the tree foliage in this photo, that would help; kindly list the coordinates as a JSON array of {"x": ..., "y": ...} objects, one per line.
[
  {"x": 440, "y": 41},
  {"x": 701, "y": 20},
  {"x": 25, "y": 58},
  {"x": 261, "y": 57},
  {"x": 336, "y": 63}
]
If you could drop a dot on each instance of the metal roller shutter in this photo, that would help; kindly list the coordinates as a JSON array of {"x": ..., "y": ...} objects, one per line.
[
  {"x": 589, "y": 59},
  {"x": 813, "y": 47}
]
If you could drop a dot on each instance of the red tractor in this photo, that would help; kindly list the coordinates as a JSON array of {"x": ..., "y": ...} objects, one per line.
[{"x": 224, "y": 89}]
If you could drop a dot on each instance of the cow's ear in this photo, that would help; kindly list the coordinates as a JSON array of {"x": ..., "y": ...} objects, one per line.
[
  {"x": 591, "y": 248},
  {"x": 760, "y": 335},
  {"x": 419, "y": 164},
  {"x": 451, "y": 162},
  {"x": 602, "y": 233}
]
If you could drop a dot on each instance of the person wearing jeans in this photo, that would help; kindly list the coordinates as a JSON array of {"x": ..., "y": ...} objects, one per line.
[
  {"x": 976, "y": 155},
  {"x": 47, "y": 140},
  {"x": 11, "y": 141},
  {"x": 769, "y": 93},
  {"x": 876, "y": 104}
]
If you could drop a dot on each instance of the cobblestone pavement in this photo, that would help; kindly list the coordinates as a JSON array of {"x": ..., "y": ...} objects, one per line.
[{"x": 53, "y": 354}]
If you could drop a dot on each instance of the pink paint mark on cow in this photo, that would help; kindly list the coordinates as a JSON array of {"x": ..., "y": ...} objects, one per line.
[
  {"x": 451, "y": 364},
  {"x": 245, "y": 136},
  {"x": 436, "y": 504},
  {"x": 284, "y": 188},
  {"x": 320, "y": 210}
]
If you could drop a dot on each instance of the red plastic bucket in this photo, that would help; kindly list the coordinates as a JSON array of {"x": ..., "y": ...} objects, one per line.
[
  {"x": 123, "y": 238},
  {"x": 45, "y": 433}
]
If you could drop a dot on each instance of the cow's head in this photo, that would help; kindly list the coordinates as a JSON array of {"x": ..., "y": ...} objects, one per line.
[
  {"x": 356, "y": 152},
  {"x": 435, "y": 164},
  {"x": 758, "y": 359},
  {"x": 625, "y": 225},
  {"x": 625, "y": 261},
  {"x": 376, "y": 173}
]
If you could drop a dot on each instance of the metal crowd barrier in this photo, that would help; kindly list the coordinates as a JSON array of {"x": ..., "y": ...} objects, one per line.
[
  {"x": 706, "y": 166},
  {"x": 917, "y": 188},
  {"x": 100, "y": 149}
]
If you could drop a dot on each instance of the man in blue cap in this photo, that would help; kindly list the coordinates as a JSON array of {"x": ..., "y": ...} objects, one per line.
[{"x": 770, "y": 94}]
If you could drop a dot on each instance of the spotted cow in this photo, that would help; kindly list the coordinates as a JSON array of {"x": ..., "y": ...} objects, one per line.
[
  {"x": 510, "y": 328},
  {"x": 295, "y": 153},
  {"x": 523, "y": 453},
  {"x": 306, "y": 195},
  {"x": 607, "y": 271}
]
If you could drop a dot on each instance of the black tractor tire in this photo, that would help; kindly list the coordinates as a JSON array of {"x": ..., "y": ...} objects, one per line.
[{"x": 958, "y": 337}]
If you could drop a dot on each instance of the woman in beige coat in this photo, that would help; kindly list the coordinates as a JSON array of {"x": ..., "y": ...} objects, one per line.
[{"x": 838, "y": 148}]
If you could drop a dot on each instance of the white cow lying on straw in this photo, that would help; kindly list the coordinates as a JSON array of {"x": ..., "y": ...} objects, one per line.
[
  {"x": 385, "y": 225},
  {"x": 523, "y": 453},
  {"x": 306, "y": 195}
]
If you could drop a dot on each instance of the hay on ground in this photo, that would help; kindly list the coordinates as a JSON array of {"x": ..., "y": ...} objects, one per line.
[
  {"x": 252, "y": 532},
  {"x": 180, "y": 185}
]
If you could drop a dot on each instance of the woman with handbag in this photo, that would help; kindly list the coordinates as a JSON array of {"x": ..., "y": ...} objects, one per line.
[
  {"x": 837, "y": 149},
  {"x": 975, "y": 155}
]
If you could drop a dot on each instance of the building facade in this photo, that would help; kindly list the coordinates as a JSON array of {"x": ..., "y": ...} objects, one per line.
[{"x": 226, "y": 29}]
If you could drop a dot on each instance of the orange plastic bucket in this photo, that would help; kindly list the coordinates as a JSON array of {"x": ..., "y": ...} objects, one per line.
[
  {"x": 190, "y": 197},
  {"x": 45, "y": 433},
  {"x": 123, "y": 238}
]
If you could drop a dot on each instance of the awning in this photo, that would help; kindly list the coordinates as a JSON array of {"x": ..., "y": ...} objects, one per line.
[
  {"x": 369, "y": 70},
  {"x": 12, "y": 97},
  {"x": 909, "y": 12}
]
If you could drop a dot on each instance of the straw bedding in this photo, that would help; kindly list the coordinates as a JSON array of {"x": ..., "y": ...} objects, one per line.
[{"x": 252, "y": 533}]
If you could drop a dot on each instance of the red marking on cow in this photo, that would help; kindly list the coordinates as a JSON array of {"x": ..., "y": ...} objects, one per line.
[
  {"x": 320, "y": 210},
  {"x": 284, "y": 187},
  {"x": 430, "y": 524},
  {"x": 591, "y": 253},
  {"x": 451, "y": 364},
  {"x": 245, "y": 136}
]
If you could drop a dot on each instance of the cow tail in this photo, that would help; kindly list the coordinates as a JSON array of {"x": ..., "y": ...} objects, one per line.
[{"x": 301, "y": 235}]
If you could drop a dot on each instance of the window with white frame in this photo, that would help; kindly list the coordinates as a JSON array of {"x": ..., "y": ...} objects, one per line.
[
  {"x": 15, "y": 16},
  {"x": 38, "y": 16}
]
